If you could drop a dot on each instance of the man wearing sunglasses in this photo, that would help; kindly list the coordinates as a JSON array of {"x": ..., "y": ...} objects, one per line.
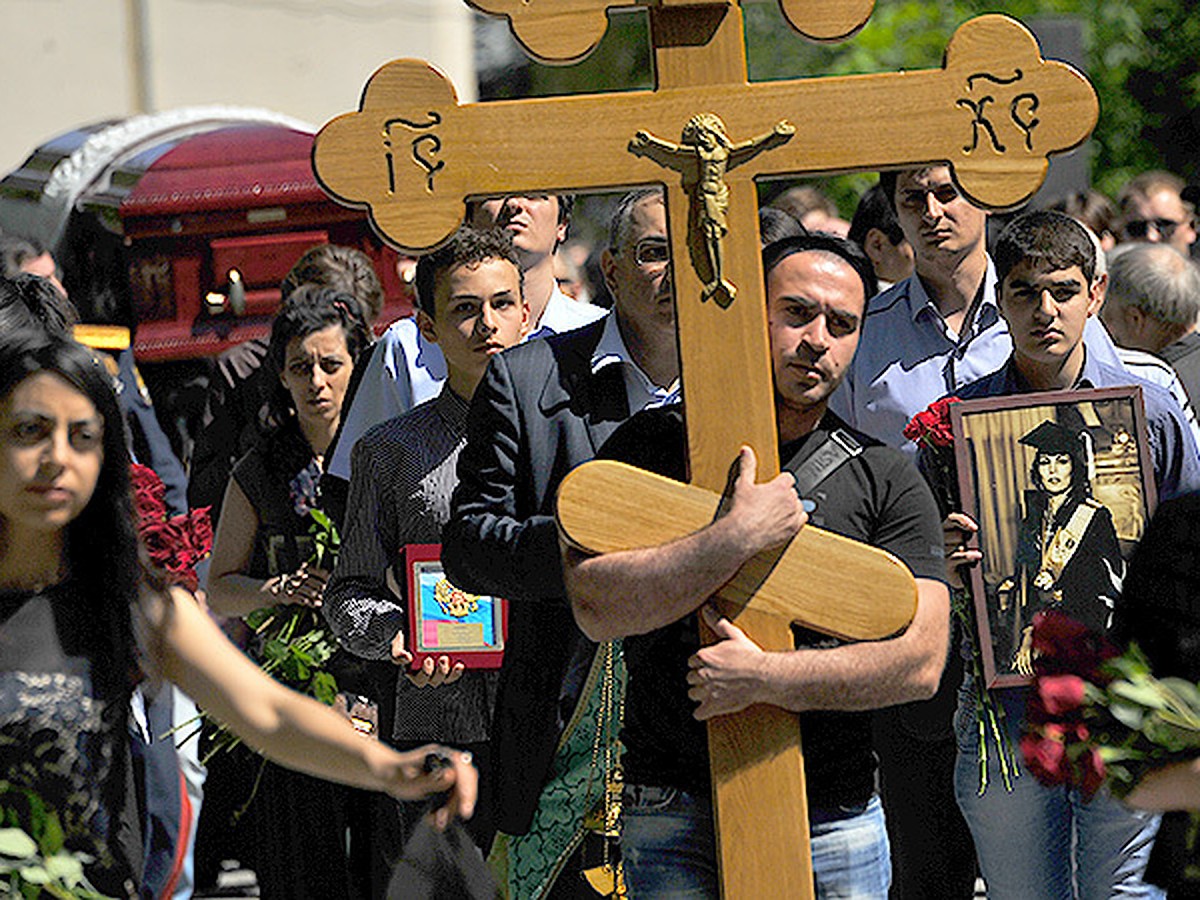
[{"x": 1153, "y": 209}]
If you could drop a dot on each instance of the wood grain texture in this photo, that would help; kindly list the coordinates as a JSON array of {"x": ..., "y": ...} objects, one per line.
[
  {"x": 411, "y": 154},
  {"x": 512, "y": 146},
  {"x": 820, "y": 580}
]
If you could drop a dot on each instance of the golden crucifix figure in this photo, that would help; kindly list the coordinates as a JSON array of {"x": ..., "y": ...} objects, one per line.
[{"x": 703, "y": 156}]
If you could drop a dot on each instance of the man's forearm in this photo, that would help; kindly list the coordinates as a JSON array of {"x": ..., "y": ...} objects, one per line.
[
  {"x": 638, "y": 591},
  {"x": 866, "y": 675}
]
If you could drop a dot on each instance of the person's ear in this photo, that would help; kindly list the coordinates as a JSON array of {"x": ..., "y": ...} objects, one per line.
[
  {"x": 873, "y": 247},
  {"x": 608, "y": 268},
  {"x": 1135, "y": 322},
  {"x": 427, "y": 326},
  {"x": 525, "y": 319},
  {"x": 1096, "y": 294}
]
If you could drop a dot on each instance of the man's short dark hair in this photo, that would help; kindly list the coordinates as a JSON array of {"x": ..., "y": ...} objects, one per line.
[
  {"x": 887, "y": 186},
  {"x": 1047, "y": 240},
  {"x": 15, "y": 251},
  {"x": 876, "y": 210},
  {"x": 29, "y": 301},
  {"x": 467, "y": 247},
  {"x": 775, "y": 224},
  {"x": 820, "y": 242}
]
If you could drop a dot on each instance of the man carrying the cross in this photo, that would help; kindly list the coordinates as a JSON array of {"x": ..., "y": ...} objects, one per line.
[{"x": 817, "y": 286}]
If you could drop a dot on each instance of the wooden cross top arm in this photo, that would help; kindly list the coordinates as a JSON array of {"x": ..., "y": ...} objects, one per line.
[
  {"x": 567, "y": 30},
  {"x": 819, "y": 580},
  {"x": 412, "y": 154}
]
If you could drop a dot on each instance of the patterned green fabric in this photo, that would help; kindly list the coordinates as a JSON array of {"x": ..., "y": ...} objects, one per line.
[{"x": 527, "y": 865}]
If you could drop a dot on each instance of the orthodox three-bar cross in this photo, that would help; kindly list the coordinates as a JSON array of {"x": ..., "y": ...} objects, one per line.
[{"x": 995, "y": 111}]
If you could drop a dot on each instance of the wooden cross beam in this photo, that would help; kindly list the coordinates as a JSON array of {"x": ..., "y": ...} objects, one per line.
[
  {"x": 567, "y": 30},
  {"x": 995, "y": 111}
]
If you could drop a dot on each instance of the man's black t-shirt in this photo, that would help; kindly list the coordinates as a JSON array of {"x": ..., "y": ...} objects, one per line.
[{"x": 877, "y": 498}]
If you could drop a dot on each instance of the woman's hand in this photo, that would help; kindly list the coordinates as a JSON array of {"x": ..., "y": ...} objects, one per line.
[
  {"x": 1023, "y": 662},
  {"x": 305, "y": 586},
  {"x": 413, "y": 778}
]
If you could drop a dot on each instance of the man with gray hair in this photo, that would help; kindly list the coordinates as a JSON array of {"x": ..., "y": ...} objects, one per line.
[
  {"x": 1153, "y": 303},
  {"x": 541, "y": 409}
]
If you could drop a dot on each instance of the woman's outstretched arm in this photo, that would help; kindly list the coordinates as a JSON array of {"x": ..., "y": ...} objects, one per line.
[{"x": 291, "y": 729}]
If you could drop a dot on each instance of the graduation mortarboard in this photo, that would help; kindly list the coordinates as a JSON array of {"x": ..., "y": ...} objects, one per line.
[{"x": 1050, "y": 437}]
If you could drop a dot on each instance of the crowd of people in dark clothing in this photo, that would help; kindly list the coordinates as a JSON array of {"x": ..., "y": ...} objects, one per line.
[{"x": 579, "y": 762}]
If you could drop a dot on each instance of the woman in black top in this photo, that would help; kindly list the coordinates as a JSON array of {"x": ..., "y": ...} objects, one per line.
[{"x": 82, "y": 618}]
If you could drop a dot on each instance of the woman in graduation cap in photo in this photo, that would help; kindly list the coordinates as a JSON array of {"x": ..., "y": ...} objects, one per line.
[{"x": 1068, "y": 557}]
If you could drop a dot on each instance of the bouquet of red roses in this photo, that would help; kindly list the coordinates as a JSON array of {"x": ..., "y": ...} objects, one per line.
[
  {"x": 174, "y": 543},
  {"x": 931, "y": 431},
  {"x": 1096, "y": 715}
]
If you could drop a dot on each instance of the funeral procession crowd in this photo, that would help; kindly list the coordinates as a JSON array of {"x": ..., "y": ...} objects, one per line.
[{"x": 337, "y": 638}]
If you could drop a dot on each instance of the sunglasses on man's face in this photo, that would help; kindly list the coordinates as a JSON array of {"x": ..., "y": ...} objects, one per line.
[{"x": 1165, "y": 228}]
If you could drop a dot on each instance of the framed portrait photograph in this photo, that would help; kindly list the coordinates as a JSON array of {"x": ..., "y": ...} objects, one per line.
[
  {"x": 447, "y": 621},
  {"x": 1062, "y": 486}
]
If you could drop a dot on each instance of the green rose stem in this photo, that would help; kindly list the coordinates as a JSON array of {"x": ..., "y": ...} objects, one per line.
[{"x": 988, "y": 714}]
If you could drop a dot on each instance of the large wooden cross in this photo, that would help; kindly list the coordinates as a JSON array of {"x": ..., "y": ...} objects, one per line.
[{"x": 995, "y": 111}]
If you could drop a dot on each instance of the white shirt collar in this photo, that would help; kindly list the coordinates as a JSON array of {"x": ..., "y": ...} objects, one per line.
[{"x": 641, "y": 392}]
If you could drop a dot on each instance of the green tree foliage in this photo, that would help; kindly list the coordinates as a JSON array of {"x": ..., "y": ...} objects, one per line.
[{"x": 1140, "y": 54}]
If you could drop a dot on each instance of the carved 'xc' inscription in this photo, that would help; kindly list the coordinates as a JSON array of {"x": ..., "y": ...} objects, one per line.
[{"x": 1021, "y": 107}]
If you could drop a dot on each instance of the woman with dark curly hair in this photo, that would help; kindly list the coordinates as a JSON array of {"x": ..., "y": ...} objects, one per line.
[{"x": 261, "y": 557}]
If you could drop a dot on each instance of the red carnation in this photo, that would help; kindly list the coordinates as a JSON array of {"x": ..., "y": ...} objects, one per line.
[
  {"x": 200, "y": 531},
  {"x": 149, "y": 494},
  {"x": 173, "y": 544}
]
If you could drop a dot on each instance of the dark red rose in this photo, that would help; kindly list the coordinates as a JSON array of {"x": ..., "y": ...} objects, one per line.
[
  {"x": 1045, "y": 754},
  {"x": 932, "y": 425},
  {"x": 149, "y": 494},
  {"x": 1060, "y": 694},
  {"x": 1063, "y": 646}
]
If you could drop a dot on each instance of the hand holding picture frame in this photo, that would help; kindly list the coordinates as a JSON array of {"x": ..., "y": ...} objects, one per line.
[
  {"x": 1061, "y": 485},
  {"x": 447, "y": 621}
]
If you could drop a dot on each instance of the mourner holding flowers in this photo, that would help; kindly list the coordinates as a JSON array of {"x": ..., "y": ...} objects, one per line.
[{"x": 1034, "y": 840}]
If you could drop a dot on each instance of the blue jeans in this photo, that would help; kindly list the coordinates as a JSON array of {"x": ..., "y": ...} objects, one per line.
[
  {"x": 669, "y": 849},
  {"x": 1045, "y": 842}
]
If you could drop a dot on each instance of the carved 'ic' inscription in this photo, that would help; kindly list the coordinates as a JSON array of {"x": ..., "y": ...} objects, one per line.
[{"x": 423, "y": 146}]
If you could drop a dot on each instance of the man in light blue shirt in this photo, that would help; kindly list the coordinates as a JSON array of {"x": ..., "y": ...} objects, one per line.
[{"x": 940, "y": 328}]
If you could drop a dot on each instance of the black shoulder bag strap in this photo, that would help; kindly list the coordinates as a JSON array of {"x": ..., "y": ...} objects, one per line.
[{"x": 835, "y": 451}]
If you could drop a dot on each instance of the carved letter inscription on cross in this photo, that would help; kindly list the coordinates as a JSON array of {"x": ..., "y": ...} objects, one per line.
[{"x": 412, "y": 153}]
